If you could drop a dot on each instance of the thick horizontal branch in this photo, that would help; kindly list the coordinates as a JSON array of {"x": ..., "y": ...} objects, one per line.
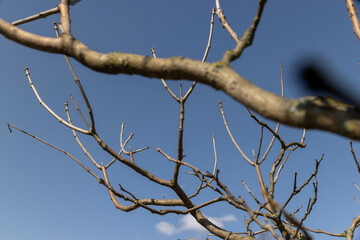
[{"x": 308, "y": 112}]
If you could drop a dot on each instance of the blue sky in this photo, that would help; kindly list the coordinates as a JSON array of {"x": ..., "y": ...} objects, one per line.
[{"x": 44, "y": 195}]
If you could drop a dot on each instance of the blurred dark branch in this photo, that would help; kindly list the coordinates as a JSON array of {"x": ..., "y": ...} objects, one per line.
[{"x": 317, "y": 81}]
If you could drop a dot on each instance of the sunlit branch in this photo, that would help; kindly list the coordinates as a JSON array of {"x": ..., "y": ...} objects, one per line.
[
  {"x": 307, "y": 112},
  {"x": 281, "y": 167},
  {"x": 296, "y": 211},
  {"x": 79, "y": 111},
  {"x": 78, "y": 140},
  {"x": 356, "y": 199},
  {"x": 253, "y": 196},
  {"x": 50, "y": 111},
  {"x": 353, "y": 17},
  {"x": 123, "y": 145},
  {"x": 231, "y": 136},
  {"x": 224, "y": 22},
  {"x": 356, "y": 186},
  {"x": 180, "y": 148},
  {"x": 59, "y": 149},
  {"x": 278, "y": 124},
  {"x": 325, "y": 232},
  {"x": 247, "y": 38},
  {"x": 78, "y": 83},
  {"x": 43, "y": 14},
  {"x": 128, "y": 163},
  {"x": 65, "y": 17},
  {"x": 350, "y": 231},
  {"x": 215, "y": 154},
  {"x": 163, "y": 81},
  {"x": 208, "y": 46}
]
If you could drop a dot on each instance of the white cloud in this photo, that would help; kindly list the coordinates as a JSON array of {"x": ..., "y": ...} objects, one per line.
[
  {"x": 166, "y": 228},
  {"x": 220, "y": 221},
  {"x": 188, "y": 223}
]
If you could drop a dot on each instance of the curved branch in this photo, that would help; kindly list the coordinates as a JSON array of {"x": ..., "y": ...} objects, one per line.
[{"x": 307, "y": 112}]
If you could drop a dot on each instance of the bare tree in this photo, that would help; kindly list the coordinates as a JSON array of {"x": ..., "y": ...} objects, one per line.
[{"x": 308, "y": 112}]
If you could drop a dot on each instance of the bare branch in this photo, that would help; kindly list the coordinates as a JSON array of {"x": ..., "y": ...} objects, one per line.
[
  {"x": 253, "y": 196},
  {"x": 128, "y": 163},
  {"x": 353, "y": 17},
  {"x": 260, "y": 144},
  {"x": 78, "y": 140},
  {"x": 351, "y": 229},
  {"x": 50, "y": 111},
  {"x": 215, "y": 155},
  {"x": 78, "y": 83},
  {"x": 307, "y": 112},
  {"x": 354, "y": 196},
  {"x": 247, "y": 38},
  {"x": 297, "y": 190},
  {"x": 309, "y": 208},
  {"x": 325, "y": 232},
  {"x": 65, "y": 17},
  {"x": 355, "y": 159},
  {"x": 43, "y": 14},
  {"x": 163, "y": 81},
  {"x": 278, "y": 124},
  {"x": 225, "y": 24},
  {"x": 59, "y": 149},
  {"x": 79, "y": 111},
  {"x": 208, "y": 46},
  {"x": 232, "y": 138},
  {"x": 281, "y": 167},
  {"x": 356, "y": 186}
]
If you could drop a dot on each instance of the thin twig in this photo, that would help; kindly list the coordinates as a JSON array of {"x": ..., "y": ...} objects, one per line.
[
  {"x": 180, "y": 147},
  {"x": 278, "y": 124},
  {"x": 49, "y": 109},
  {"x": 79, "y": 111},
  {"x": 297, "y": 190},
  {"x": 325, "y": 232},
  {"x": 208, "y": 46},
  {"x": 78, "y": 140},
  {"x": 256, "y": 200},
  {"x": 354, "y": 156},
  {"x": 281, "y": 167},
  {"x": 224, "y": 22},
  {"x": 43, "y": 14},
  {"x": 215, "y": 155},
  {"x": 296, "y": 211},
  {"x": 309, "y": 208},
  {"x": 356, "y": 186},
  {"x": 78, "y": 83},
  {"x": 354, "y": 196},
  {"x": 260, "y": 144},
  {"x": 232, "y": 138},
  {"x": 247, "y": 38},
  {"x": 59, "y": 149},
  {"x": 123, "y": 145},
  {"x": 163, "y": 81},
  {"x": 291, "y": 219}
]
